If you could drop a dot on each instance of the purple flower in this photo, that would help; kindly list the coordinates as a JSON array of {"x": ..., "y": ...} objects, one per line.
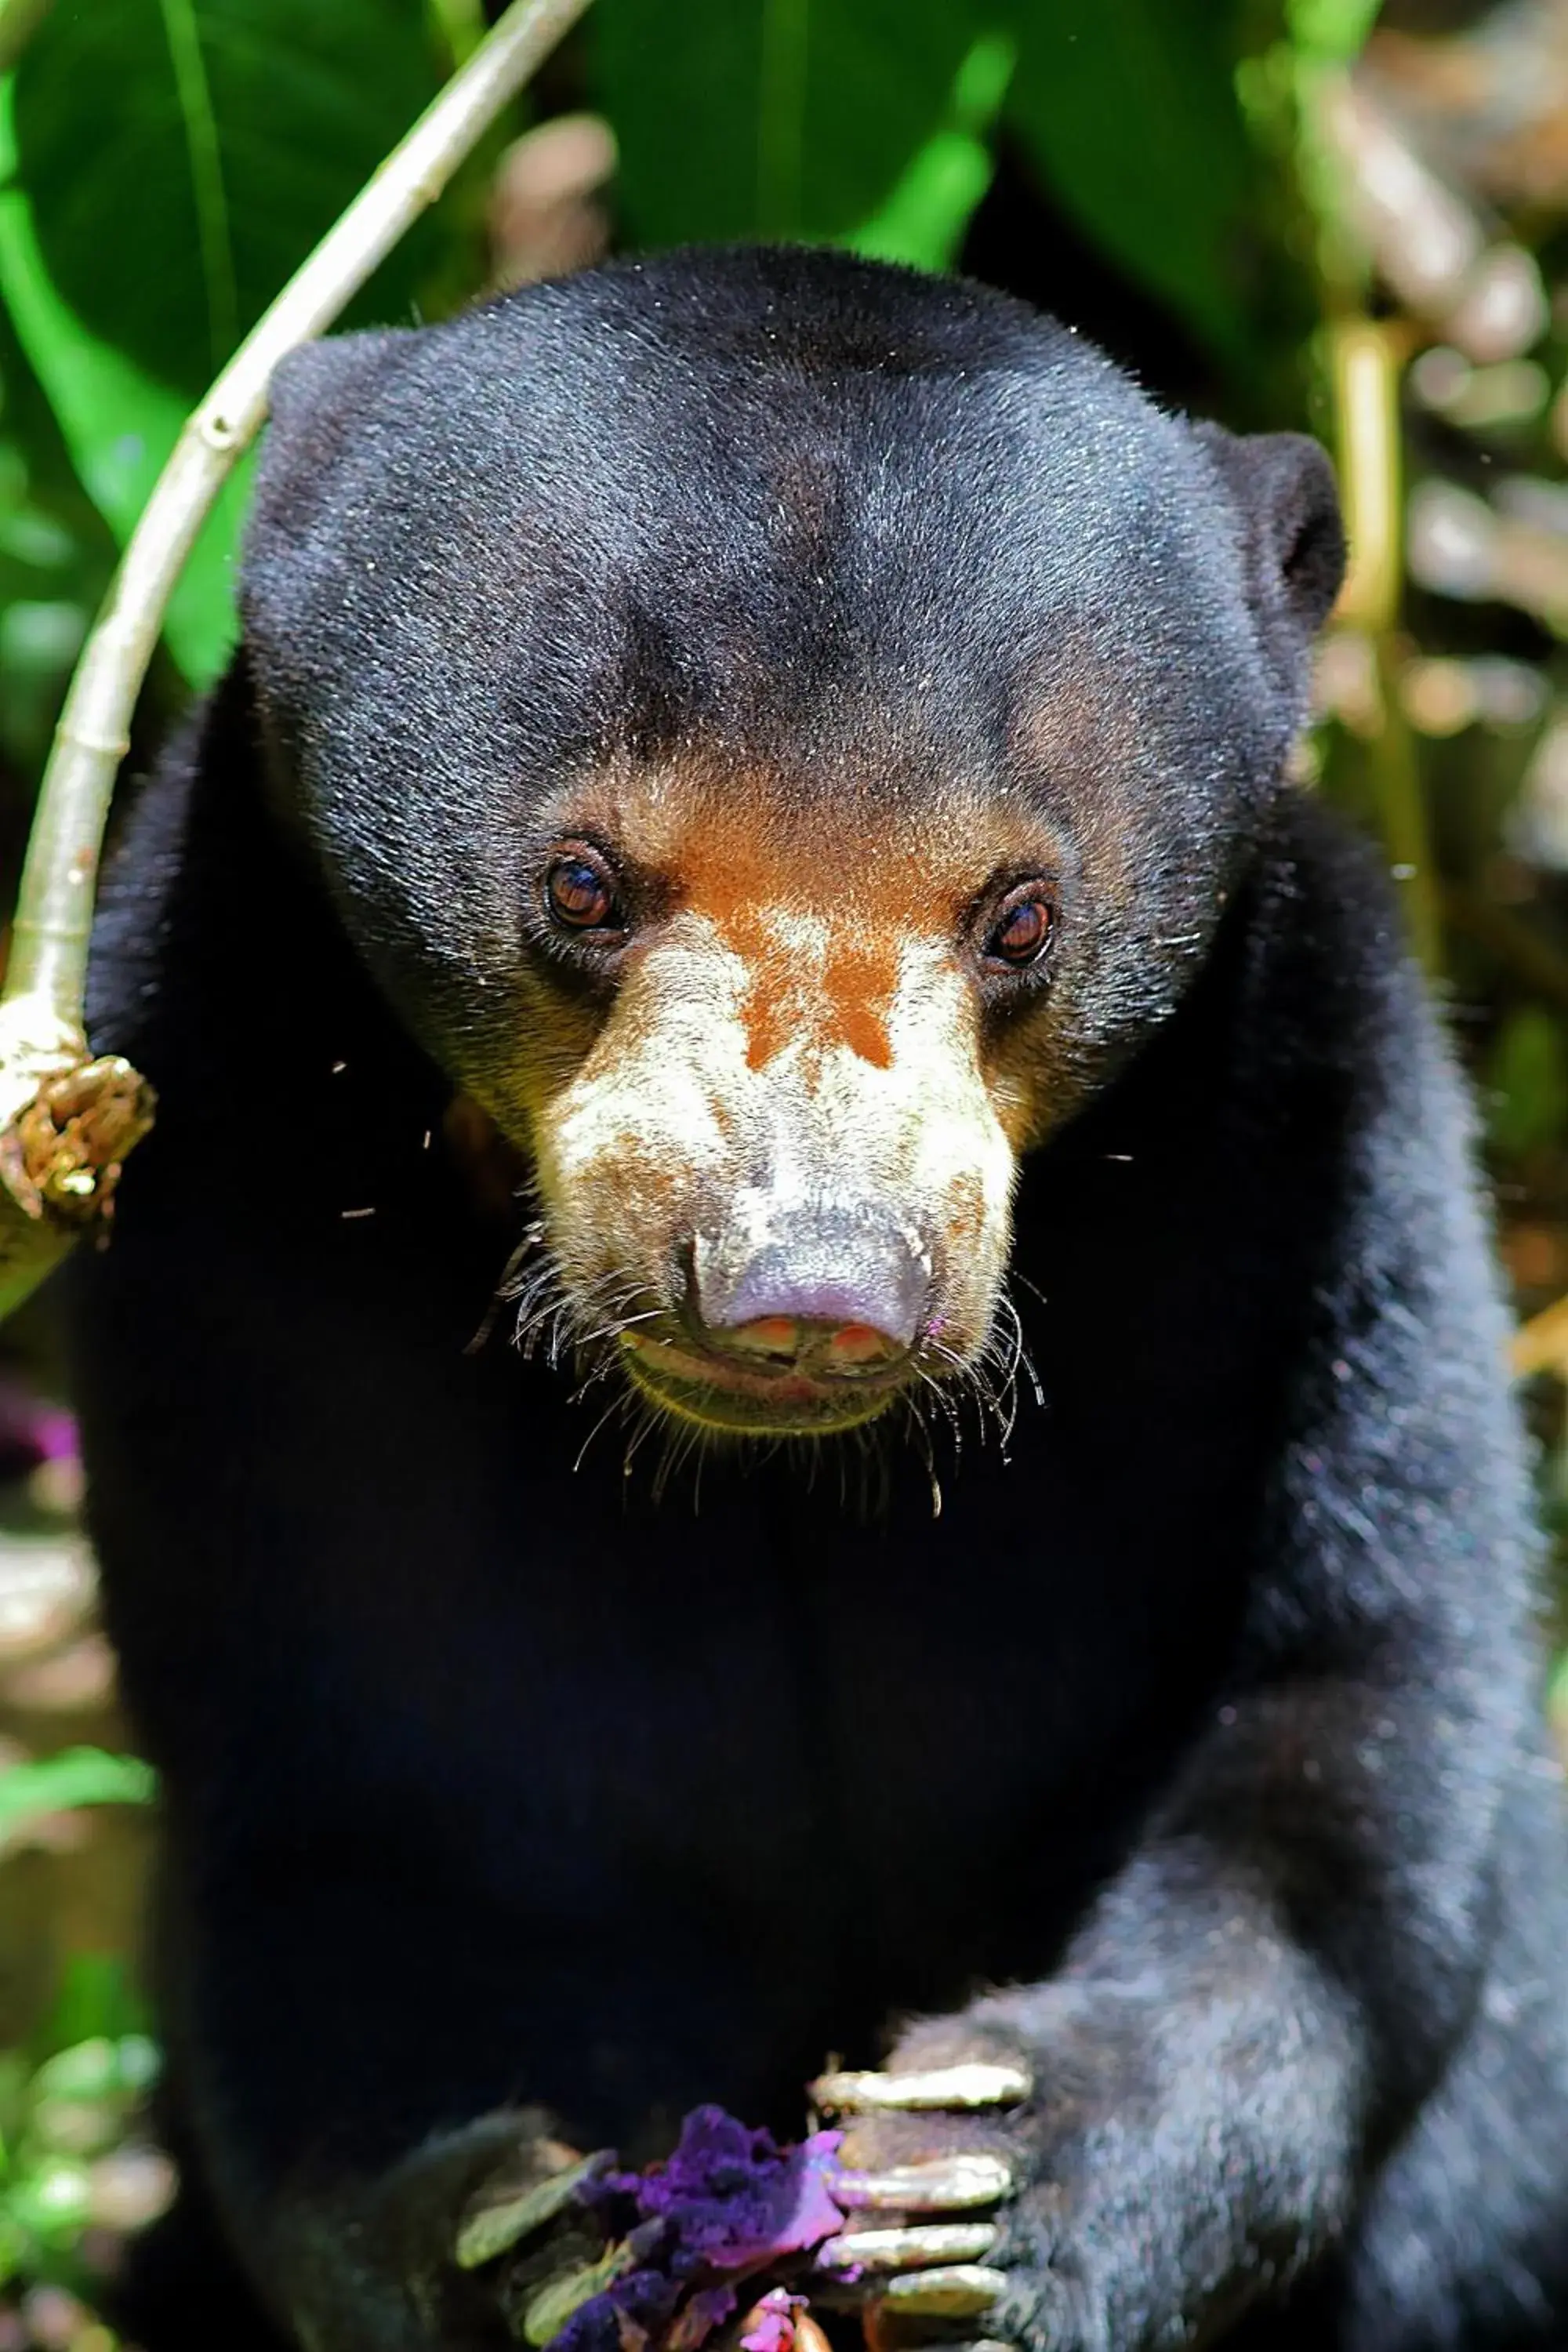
[
  {"x": 728, "y": 2202},
  {"x": 736, "y": 2199},
  {"x": 625, "y": 2316}
]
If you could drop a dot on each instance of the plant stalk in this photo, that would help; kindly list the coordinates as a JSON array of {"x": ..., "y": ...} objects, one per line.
[
  {"x": 54, "y": 911},
  {"x": 66, "y": 1122}
]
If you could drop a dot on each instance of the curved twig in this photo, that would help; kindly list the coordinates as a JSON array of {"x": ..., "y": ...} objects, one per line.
[{"x": 43, "y": 1044}]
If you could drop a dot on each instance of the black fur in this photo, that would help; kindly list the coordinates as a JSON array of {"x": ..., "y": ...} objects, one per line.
[{"x": 1205, "y": 1727}]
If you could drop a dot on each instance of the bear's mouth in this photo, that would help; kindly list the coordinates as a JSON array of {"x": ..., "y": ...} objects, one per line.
[{"x": 696, "y": 1385}]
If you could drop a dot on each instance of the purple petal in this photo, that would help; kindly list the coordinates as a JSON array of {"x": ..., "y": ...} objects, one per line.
[
  {"x": 726, "y": 2202},
  {"x": 644, "y": 2298},
  {"x": 735, "y": 2197}
]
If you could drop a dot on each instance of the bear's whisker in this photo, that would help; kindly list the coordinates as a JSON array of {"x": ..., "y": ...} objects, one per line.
[{"x": 607, "y": 1416}]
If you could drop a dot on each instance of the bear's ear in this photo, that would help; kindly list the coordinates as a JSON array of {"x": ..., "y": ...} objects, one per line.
[
  {"x": 316, "y": 401},
  {"x": 1293, "y": 543}
]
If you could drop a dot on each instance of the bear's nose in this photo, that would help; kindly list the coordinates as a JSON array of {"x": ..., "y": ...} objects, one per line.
[{"x": 839, "y": 1291}]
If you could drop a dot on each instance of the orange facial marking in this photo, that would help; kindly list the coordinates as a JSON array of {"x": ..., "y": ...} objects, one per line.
[
  {"x": 849, "y": 1007},
  {"x": 816, "y": 897},
  {"x": 770, "y": 1024},
  {"x": 748, "y": 876},
  {"x": 859, "y": 983}
]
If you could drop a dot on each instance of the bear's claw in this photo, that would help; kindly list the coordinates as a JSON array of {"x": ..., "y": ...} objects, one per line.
[
  {"x": 896, "y": 2267},
  {"x": 958, "y": 2291},
  {"x": 975, "y": 2084},
  {"x": 906, "y": 2249},
  {"x": 951, "y": 2184}
]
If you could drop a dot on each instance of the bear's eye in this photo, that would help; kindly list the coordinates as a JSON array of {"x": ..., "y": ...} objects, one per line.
[
  {"x": 1022, "y": 930},
  {"x": 580, "y": 892}
]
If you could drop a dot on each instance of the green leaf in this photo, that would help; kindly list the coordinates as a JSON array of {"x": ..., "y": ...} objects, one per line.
[
  {"x": 50, "y": 2203},
  {"x": 1129, "y": 109},
  {"x": 77, "y": 1776},
  {"x": 496, "y": 2223},
  {"x": 96, "y": 2000},
  {"x": 568, "y": 2291},
  {"x": 183, "y": 156},
  {"x": 1329, "y": 32},
  {"x": 1528, "y": 1078},
  {"x": 923, "y": 219},
  {"x": 97, "y": 2069},
  {"x": 774, "y": 118},
  {"x": 120, "y": 428}
]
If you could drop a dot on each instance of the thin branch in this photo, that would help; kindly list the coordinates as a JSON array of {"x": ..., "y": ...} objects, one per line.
[
  {"x": 66, "y": 1122},
  {"x": 54, "y": 911}
]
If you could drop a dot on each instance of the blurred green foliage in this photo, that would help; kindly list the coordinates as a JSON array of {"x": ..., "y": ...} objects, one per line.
[
  {"x": 180, "y": 157},
  {"x": 1527, "y": 1077},
  {"x": 70, "y": 2095},
  {"x": 77, "y": 1776},
  {"x": 118, "y": 424},
  {"x": 58, "y": 2114}
]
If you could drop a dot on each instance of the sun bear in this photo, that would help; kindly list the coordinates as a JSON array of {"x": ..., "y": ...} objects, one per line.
[{"x": 804, "y": 1370}]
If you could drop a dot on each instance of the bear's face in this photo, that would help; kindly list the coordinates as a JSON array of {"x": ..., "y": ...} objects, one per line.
[
  {"x": 790, "y": 1115},
  {"x": 781, "y": 739}
]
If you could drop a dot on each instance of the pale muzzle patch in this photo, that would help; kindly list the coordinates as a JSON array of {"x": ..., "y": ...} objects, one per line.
[
  {"x": 776, "y": 1145},
  {"x": 822, "y": 1084}
]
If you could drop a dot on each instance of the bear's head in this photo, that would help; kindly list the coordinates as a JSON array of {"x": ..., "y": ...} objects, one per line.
[{"x": 779, "y": 731}]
